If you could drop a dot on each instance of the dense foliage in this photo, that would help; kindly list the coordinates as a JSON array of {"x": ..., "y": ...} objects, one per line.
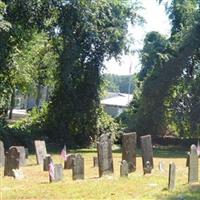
[
  {"x": 63, "y": 45},
  {"x": 119, "y": 83},
  {"x": 169, "y": 100}
]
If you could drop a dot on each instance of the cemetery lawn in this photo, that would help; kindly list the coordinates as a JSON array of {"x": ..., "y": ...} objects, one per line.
[{"x": 36, "y": 184}]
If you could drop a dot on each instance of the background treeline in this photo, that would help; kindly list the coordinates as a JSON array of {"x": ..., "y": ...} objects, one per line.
[{"x": 120, "y": 83}]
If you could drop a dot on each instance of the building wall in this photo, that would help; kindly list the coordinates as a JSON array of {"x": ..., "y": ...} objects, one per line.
[{"x": 114, "y": 111}]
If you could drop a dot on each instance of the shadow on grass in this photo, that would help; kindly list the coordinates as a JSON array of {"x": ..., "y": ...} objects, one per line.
[
  {"x": 185, "y": 193},
  {"x": 159, "y": 152}
]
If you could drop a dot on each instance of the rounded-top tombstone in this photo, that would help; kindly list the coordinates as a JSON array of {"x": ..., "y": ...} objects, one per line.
[{"x": 11, "y": 161}]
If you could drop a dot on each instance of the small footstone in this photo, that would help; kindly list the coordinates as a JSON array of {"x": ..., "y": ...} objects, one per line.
[
  {"x": 18, "y": 174},
  {"x": 172, "y": 176},
  {"x": 124, "y": 169}
]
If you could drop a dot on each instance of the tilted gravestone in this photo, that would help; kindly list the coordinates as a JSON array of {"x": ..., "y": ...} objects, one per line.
[
  {"x": 2, "y": 154},
  {"x": 22, "y": 155},
  {"x": 95, "y": 161},
  {"x": 78, "y": 167},
  {"x": 129, "y": 143},
  {"x": 124, "y": 168},
  {"x": 41, "y": 151},
  {"x": 147, "y": 153},
  {"x": 172, "y": 176},
  {"x": 11, "y": 161},
  {"x": 58, "y": 173},
  {"x": 105, "y": 159},
  {"x": 193, "y": 165},
  {"x": 46, "y": 162},
  {"x": 68, "y": 161}
]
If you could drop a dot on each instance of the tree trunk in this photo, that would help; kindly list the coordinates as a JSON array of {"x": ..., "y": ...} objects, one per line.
[{"x": 12, "y": 103}]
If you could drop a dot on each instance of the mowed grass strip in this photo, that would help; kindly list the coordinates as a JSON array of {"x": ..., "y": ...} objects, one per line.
[{"x": 36, "y": 184}]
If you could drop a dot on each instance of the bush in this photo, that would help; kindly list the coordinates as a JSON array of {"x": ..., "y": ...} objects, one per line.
[{"x": 108, "y": 125}]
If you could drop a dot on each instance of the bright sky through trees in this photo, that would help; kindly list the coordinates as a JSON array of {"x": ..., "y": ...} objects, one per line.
[{"x": 156, "y": 20}]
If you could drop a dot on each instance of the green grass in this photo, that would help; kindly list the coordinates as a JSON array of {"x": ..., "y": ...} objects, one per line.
[{"x": 36, "y": 184}]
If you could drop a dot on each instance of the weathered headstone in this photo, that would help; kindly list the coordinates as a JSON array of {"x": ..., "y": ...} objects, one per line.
[
  {"x": 172, "y": 176},
  {"x": 22, "y": 154},
  {"x": 41, "y": 151},
  {"x": 124, "y": 168},
  {"x": 193, "y": 165},
  {"x": 2, "y": 154},
  {"x": 147, "y": 153},
  {"x": 95, "y": 161},
  {"x": 26, "y": 153},
  {"x": 58, "y": 173},
  {"x": 78, "y": 167},
  {"x": 46, "y": 162},
  {"x": 11, "y": 161},
  {"x": 105, "y": 159},
  {"x": 129, "y": 143},
  {"x": 68, "y": 161}
]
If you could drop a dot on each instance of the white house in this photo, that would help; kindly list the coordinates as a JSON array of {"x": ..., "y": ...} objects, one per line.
[{"x": 115, "y": 103}]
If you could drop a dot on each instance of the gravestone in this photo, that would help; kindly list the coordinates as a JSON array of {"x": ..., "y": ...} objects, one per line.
[
  {"x": 161, "y": 166},
  {"x": 58, "y": 173},
  {"x": 147, "y": 153},
  {"x": 129, "y": 143},
  {"x": 172, "y": 176},
  {"x": 95, "y": 161},
  {"x": 68, "y": 161},
  {"x": 124, "y": 168},
  {"x": 18, "y": 174},
  {"x": 2, "y": 154},
  {"x": 46, "y": 162},
  {"x": 78, "y": 167},
  {"x": 22, "y": 155},
  {"x": 41, "y": 151},
  {"x": 11, "y": 161},
  {"x": 193, "y": 165},
  {"x": 26, "y": 153},
  {"x": 105, "y": 159},
  {"x": 187, "y": 159}
]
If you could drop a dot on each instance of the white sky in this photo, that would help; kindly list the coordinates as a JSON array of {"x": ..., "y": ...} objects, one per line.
[{"x": 156, "y": 20}]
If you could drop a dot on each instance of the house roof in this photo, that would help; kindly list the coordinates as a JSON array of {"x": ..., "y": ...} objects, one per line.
[{"x": 119, "y": 99}]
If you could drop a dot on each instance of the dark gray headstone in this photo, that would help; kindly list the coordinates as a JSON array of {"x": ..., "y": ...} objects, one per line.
[
  {"x": 22, "y": 155},
  {"x": 172, "y": 176},
  {"x": 68, "y": 161},
  {"x": 129, "y": 144},
  {"x": 105, "y": 159},
  {"x": 11, "y": 161},
  {"x": 2, "y": 154},
  {"x": 124, "y": 168},
  {"x": 41, "y": 151},
  {"x": 193, "y": 165},
  {"x": 46, "y": 162},
  {"x": 78, "y": 167},
  {"x": 58, "y": 173},
  {"x": 147, "y": 153},
  {"x": 26, "y": 153},
  {"x": 95, "y": 161},
  {"x": 187, "y": 159}
]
